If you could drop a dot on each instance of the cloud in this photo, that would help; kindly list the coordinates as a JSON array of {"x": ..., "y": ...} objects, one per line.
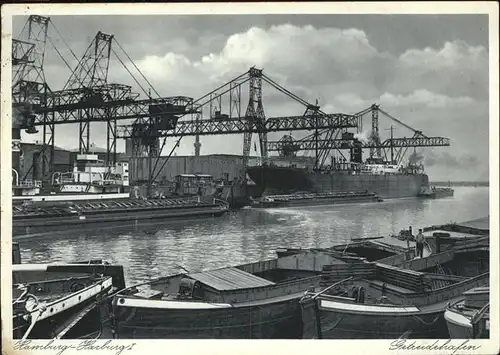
[
  {"x": 446, "y": 166},
  {"x": 447, "y": 160},
  {"x": 456, "y": 69},
  {"x": 425, "y": 98},
  {"x": 302, "y": 56}
]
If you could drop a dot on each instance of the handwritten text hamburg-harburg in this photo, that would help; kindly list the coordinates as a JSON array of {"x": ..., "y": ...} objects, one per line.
[{"x": 60, "y": 348}]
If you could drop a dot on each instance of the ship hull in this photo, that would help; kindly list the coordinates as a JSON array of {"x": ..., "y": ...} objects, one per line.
[
  {"x": 318, "y": 201},
  {"x": 274, "y": 320},
  {"x": 460, "y": 326},
  {"x": 350, "y": 324},
  {"x": 289, "y": 180}
]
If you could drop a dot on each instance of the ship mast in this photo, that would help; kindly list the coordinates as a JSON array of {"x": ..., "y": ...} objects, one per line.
[{"x": 392, "y": 145}]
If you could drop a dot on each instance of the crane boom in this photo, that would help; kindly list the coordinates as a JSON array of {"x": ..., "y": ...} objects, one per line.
[
  {"x": 309, "y": 144},
  {"x": 241, "y": 125}
]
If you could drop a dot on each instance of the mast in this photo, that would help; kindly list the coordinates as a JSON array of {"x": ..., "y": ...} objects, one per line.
[
  {"x": 316, "y": 144},
  {"x": 392, "y": 145}
]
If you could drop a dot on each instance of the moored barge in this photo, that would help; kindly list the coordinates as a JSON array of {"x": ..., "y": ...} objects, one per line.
[
  {"x": 469, "y": 318},
  {"x": 390, "y": 298},
  {"x": 253, "y": 301},
  {"x": 61, "y": 300},
  {"x": 315, "y": 199},
  {"x": 35, "y": 219}
]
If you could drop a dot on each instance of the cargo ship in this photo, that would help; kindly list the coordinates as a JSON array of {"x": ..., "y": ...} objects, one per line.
[{"x": 386, "y": 180}]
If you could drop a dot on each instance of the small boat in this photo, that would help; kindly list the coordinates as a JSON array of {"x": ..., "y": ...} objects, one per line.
[
  {"x": 469, "y": 318},
  {"x": 252, "y": 301},
  {"x": 60, "y": 300},
  {"x": 436, "y": 192},
  {"x": 379, "y": 301}
]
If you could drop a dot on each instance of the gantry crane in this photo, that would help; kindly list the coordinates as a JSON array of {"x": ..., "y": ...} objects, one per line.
[
  {"x": 88, "y": 97},
  {"x": 85, "y": 98},
  {"x": 392, "y": 149},
  {"x": 228, "y": 96}
]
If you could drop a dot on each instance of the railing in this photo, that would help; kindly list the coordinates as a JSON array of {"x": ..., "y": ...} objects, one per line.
[
  {"x": 29, "y": 184},
  {"x": 107, "y": 182}
]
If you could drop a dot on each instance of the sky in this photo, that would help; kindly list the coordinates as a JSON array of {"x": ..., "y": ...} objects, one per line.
[{"x": 429, "y": 71}]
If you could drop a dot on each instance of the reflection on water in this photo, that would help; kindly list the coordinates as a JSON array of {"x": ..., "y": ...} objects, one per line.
[{"x": 249, "y": 235}]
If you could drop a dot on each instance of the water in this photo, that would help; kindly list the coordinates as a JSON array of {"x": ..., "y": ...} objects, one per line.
[{"x": 250, "y": 235}]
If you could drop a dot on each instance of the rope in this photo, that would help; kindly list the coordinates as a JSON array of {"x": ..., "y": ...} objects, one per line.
[
  {"x": 62, "y": 57},
  {"x": 334, "y": 326},
  {"x": 405, "y": 335},
  {"x": 24, "y": 294},
  {"x": 126, "y": 68},
  {"x": 66, "y": 43},
  {"x": 424, "y": 322},
  {"x": 34, "y": 318},
  {"x": 135, "y": 66}
]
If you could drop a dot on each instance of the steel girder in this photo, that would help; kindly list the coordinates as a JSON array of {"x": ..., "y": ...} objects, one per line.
[
  {"x": 310, "y": 144},
  {"x": 241, "y": 125},
  {"x": 67, "y": 105}
]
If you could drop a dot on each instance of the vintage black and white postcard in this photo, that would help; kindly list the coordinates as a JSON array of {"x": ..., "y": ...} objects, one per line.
[{"x": 250, "y": 171}]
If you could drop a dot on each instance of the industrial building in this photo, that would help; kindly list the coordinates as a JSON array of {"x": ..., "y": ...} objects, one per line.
[{"x": 221, "y": 166}]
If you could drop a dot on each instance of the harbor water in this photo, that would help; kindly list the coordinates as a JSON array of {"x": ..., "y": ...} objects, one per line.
[{"x": 250, "y": 234}]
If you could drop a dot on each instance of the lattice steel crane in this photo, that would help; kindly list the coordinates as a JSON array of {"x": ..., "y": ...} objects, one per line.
[
  {"x": 395, "y": 148},
  {"x": 87, "y": 95}
]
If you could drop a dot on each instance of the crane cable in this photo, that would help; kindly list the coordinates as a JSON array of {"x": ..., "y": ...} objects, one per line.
[
  {"x": 182, "y": 115},
  {"x": 135, "y": 66},
  {"x": 402, "y": 123}
]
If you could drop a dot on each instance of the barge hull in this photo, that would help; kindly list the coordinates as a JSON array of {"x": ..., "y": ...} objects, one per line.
[
  {"x": 459, "y": 326},
  {"x": 30, "y": 227},
  {"x": 49, "y": 327},
  {"x": 345, "y": 200},
  {"x": 280, "y": 320},
  {"x": 349, "y": 325}
]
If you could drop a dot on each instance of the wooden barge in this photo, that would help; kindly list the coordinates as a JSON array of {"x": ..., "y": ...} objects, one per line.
[
  {"x": 469, "y": 318},
  {"x": 259, "y": 300},
  {"x": 40, "y": 218},
  {"x": 394, "y": 296},
  {"x": 478, "y": 226},
  {"x": 256, "y": 300},
  {"x": 61, "y": 301}
]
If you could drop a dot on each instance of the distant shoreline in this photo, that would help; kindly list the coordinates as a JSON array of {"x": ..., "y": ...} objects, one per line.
[{"x": 460, "y": 183}]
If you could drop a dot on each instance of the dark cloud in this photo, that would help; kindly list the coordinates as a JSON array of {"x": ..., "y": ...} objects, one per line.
[{"x": 446, "y": 159}]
